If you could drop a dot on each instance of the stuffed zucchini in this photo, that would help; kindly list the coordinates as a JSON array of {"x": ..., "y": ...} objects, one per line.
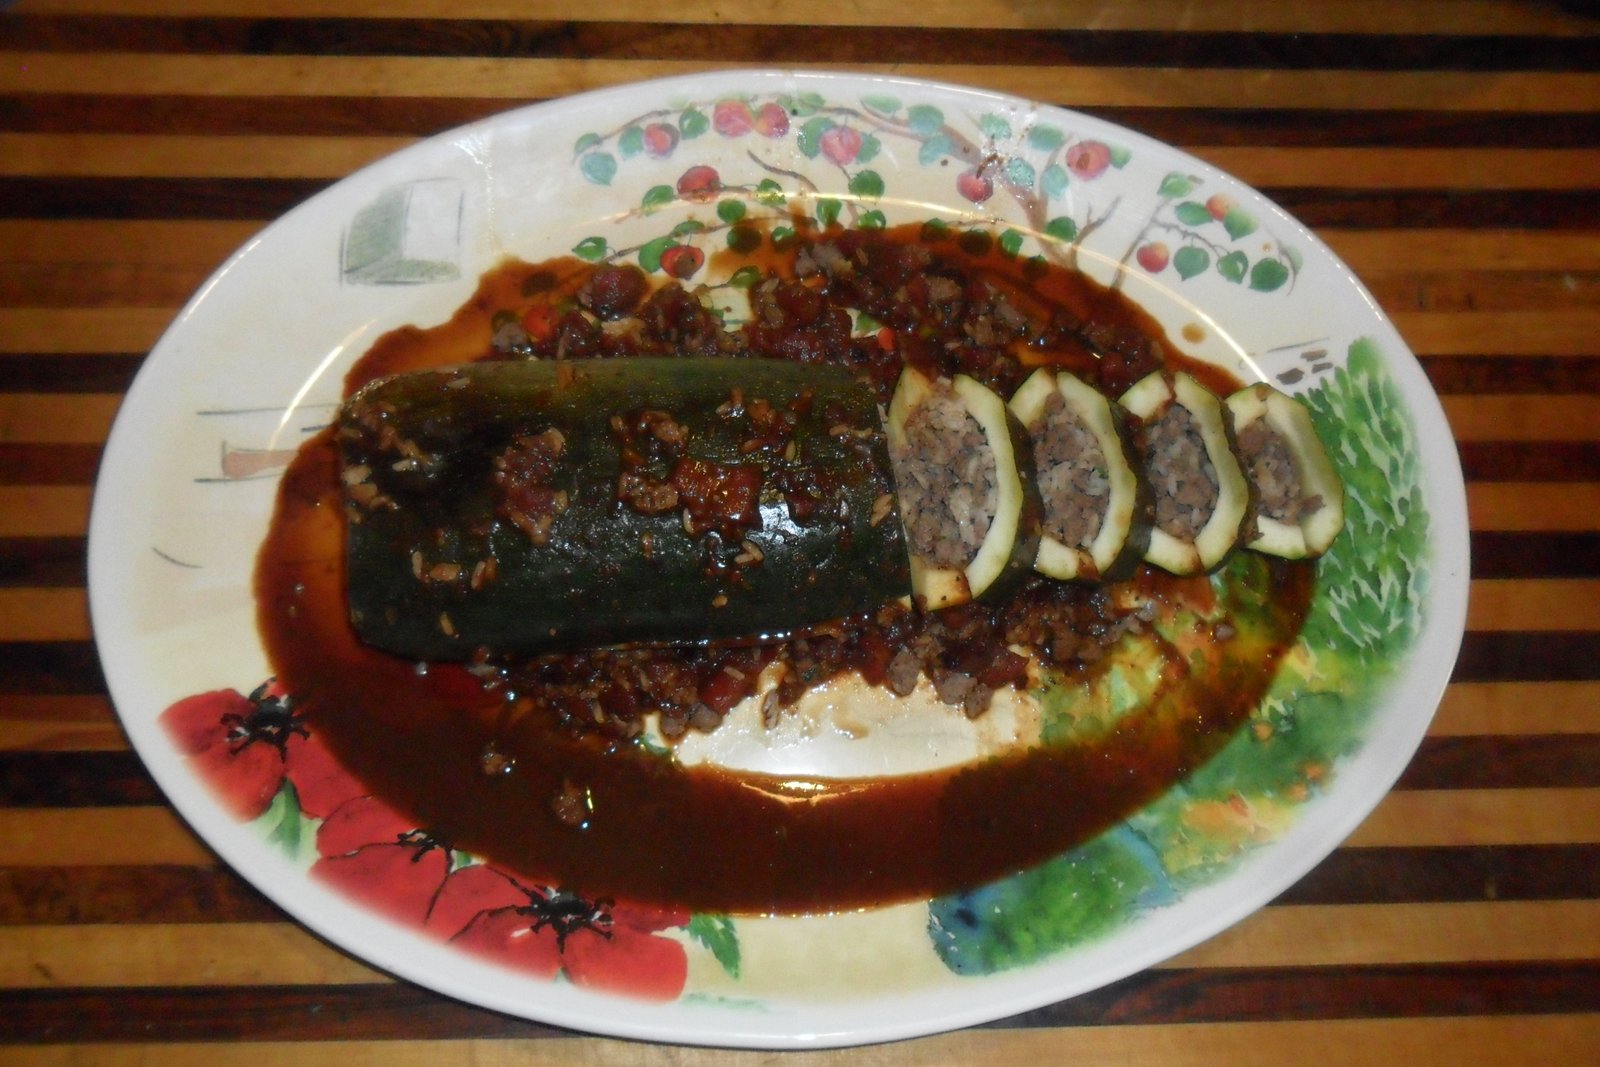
[
  {"x": 1298, "y": 499},
  {"x": 535, "y": 505},
  {"x": 1095, "y": 511},
  {"x": 1199, "y": 492},
  {"x": 964, "y": 472}
]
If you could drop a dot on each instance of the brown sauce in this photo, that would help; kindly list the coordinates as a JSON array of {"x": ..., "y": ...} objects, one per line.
[{"x": 703, "y": 838}]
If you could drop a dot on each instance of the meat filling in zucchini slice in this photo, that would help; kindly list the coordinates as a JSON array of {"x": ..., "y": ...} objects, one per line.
[{"x": 1298, "y": 496}]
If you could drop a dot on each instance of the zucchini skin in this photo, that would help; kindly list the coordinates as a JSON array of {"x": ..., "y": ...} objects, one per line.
[
  {"x": 436, "y": 570},
  {"x": 1007, "y": 553}
]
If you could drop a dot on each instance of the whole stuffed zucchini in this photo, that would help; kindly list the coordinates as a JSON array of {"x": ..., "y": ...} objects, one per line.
[
  {"x": 539, "y": 505},
  {"x": 1199, "y": 492},
  {"x": 1298, "y": 502},
  {"x": 1095, "y": 510},
  {"x": 964, "y": 472}
]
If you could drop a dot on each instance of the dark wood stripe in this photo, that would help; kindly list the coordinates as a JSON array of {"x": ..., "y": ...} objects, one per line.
[
  {"x": 70, "y": 373},
  {"x": 1450, "y": 874},
  {"x": 51, "y": 562},
  {"x": 1528, "y": 657},
  {"x": 780, "y": 44},
  {"x": 1531, "y": 461},
  {"x": 1554, "y": 555},
  {"x": 266, "y": 198},
  {"x": 119, "y": 779},
  {"x": 399, "y": 1011},
  {"x": 1561, "y": 375},
  {"x": 173, "y": 894},
  {"x": 422, "y": 116},
  {"x": 52, "y": 668},
  {"x": 1545, "y": 761},
  {"x": 22, "y": 464}
]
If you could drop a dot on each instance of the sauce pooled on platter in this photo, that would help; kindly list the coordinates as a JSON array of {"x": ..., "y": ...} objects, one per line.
[{"x": 535, "y": 764}]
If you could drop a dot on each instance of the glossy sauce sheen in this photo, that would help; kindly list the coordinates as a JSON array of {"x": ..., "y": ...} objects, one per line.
[{"x": 706, "y": 839}]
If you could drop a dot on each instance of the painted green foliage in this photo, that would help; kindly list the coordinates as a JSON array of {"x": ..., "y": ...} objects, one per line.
[{"x": 1364, "y": 617}]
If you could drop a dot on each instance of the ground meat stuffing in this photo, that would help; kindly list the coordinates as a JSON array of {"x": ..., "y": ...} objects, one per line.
[
  {"x": 1271, "y": 469},
  {"x": 1181, "y": 474},
  {"x": 946, "y": 475},
  {"x": 1073, "y": 483}
]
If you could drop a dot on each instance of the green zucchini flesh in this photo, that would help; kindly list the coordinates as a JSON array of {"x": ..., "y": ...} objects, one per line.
[
  {"x": 1178, "y": 464},
  {"x": 537, "y": 505},
  {"x": 1298, "y": 498},
  {"x": 940, "y": 500},
  {"x": 1095, "y": 508}
]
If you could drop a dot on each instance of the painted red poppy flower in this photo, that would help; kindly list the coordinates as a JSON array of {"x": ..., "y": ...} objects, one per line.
[{"x": 237, "y": 744}]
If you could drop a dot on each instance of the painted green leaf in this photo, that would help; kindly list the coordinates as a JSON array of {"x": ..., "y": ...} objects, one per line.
[
  {"x": 688, "y": 226},
  {"x": 586, "y": 142},
  {"x": 745, "y": 277},
  {"x": 770, "y": 193},
  {"x": 1233, "y": 266},
  {"x": 872, "y": 220},
  {"x": 995, "y": 127},
  {"x": 1061, "y": 228},
  {"x": 631, "y": 142},
  {"x": 1011, "y": 242},
  {"x": 658, "y": 196},
  {"x": 598, "y": 167},
  {"x": 1020, "y": 172},
  {"x": 717, "y": 933},
  {"x": 782, "y": 235},
  {"x": 867, "y": 183},
  {"x": 925, "y": 120},
  {"x": 883, "y": 105},
  {"x": 828, "y": 211},
  {"x": 1045, "y": 138},
  {"x": 935, "y": 230},
  {"x": 744, "y": 239},
  {"x": 934, "y": 149},
  {"x": 809, "y": 139},
  {"x": 590, "y": 248},
  {"x": 870, "y": 147},
  {"x": 650, "y": 253},
  {"x": 1119, "y": 155},
  {"x": 730, "y": 210},
  {"x": 1192, "y": 213},
  {"x": 1268, "y": 274},
  {"x": 1191, "y": 260},
  {"x": 1054, "y": 181},
  {"x": 692, "y": 123},
  {"x": 1238, "y": 223},
  {"x": 1175, "y": 185}
]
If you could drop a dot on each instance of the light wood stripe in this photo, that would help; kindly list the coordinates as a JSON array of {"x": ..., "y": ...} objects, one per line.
[
  {"x": 1263, "y": 16},
  {"x": 1536, "y": 332},
  {"x": 533, "y": 79},
  {"x": 1494, "y": 1041},
  {"x": 203, "y": 243},
  {"x": 1496, "y": 605},
  {"x": 28, "y": 329},
  {"x": 42, "y": 723},
  {"x": 114, "y": 837},
  {"x": 272, "y": 953},
  {"x": 57, "y": 418},
  {"x": 1480, "y": 709},
  {"x": 133, "y": 836},
  {"x": 1523, "y": 417},
  {"x": 1424, "y": 817},
  {"x": 44, "y": 510},
  {"x": 262, "y": 156},
  {"x": 1508, "y": 507}
]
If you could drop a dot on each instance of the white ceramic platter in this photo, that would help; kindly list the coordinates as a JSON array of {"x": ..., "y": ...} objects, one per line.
[{"x": 253, "y": 366}]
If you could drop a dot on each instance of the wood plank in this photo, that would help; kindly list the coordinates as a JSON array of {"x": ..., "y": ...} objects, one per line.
[
  {"x": 1508, "y": 708},
  {"x": 1371, "y": 251},
  {"x": 44, "y": 510},
  {"x": 1440, "y": 817},
  {"x": 1536, "y": 332},
  {"x": 1523, "y": 417},
  {"x": 1502, "y": 604},
  {"x": 1348, "y": 16},
  {"x": 1510, "y": 506},
  {"x": 272, "y": 953},
  {"x": 57, "y": 837},
  {"x": 532, "y": 79},
  {"x": 136, "y": 242},
  {"x": 95, "y": 330},
  {"x": 44, "y": 615},
  {"x": 1407, "y": 168},
  {"x": 57, "y": 418}
]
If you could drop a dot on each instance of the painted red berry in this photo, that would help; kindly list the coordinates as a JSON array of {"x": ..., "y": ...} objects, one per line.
[
  {"x": 975, "y": 186},
  {"x": 1219, "y": 206},
  {"x": 732, "y": 118},
  {"x": 682, "y": 261},
  {"x": 660, "y": 138},
  {"x": 840, "y": 143},
  {"x": 1088, "y": 159},
  {"x": 1153, "y": 256},
  {"x": 772, "y": 120},
  {"x": 699, "y": 182}
]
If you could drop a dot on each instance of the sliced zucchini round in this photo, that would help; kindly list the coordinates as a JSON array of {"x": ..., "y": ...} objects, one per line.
[
  {"x": 936, "y": 499},
  {"x": 1298, "y": 499},
  {"x": 1102, "y": 532},
  {"x": 1178, "y": 475}
]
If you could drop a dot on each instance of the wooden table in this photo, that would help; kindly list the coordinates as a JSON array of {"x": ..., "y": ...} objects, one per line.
[{"x": 1450, "y": 152}]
